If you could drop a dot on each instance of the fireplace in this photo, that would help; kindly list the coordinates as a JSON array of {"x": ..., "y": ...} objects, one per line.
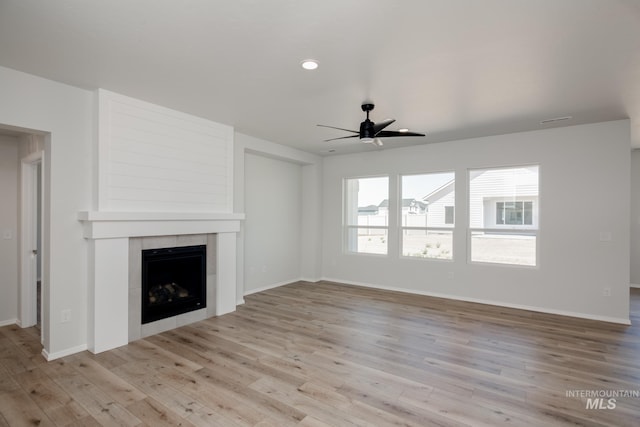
[{"x": 173, "y": 281}]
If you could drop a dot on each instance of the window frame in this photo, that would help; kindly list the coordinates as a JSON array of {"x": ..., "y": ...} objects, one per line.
[
  {"x": 348, "y": 228},
  {"x": 506, "y": 229},
  {"x": 448, "y": 228}
]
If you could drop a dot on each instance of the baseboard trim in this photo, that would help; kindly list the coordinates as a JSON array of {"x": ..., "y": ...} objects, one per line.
[
  {"x": 8, "y": 322},
  {"x": 274, "y": 285},
  {"x": 633, "y": 285},
  {"x": 617, "y": 320},
  {"x": 67, "y": 352}
]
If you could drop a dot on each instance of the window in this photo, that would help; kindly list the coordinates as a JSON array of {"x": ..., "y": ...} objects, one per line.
[
  {"x": 427, "y": 213},
  {"x": 366, "y": 220},
  {"x": 514, "y": 213},
  {"x": 503, "y": 215},
  {"x": 448, "y": 215}
]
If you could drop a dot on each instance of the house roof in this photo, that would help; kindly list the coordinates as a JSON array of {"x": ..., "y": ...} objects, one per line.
[
  {"x": 370, "y": 208},
  {"x": 405, "y": 203},
  {"x": 439, "y": 192},
  {"x": 450, "y": 68}
]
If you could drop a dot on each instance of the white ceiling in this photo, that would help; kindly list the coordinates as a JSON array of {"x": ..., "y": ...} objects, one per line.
[{"x": 450, "y": 68}]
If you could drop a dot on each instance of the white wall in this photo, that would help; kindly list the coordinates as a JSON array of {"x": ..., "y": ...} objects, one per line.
[
  {"x": 273, "y": 195},
  {"x": 8, "y": 229},
  {"x": 635, "y": 217},
  {"x": 584, "y": 192},
  {"x": 295, "y": 178},
  {"x": 311, "y": 211},
  {"x": 66, "y": 114}
]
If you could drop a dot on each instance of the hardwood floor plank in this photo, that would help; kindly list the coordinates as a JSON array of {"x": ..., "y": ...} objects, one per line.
[
  {"x": 18, "y": 409},
  {"x": 444, "y": 404},
  {"x": 12, "y": 358},
  {"x": 143, "y": 350},
  {"x": 91, "y": 397},
  {"x": 115, "y": 387},
  {"x": 328, "y": 354},
  {"x": 310, "y": 421},
  {"x": 50, "y": 397},
  {"x": 247, "y": 397},
  {"x": 291, "y": 396},
  {"x": 87, "y": 421},
  {"x": 229, "y": 405},
  {"x": 108, "y": 359},
  {"x": 155, "y": 413},
  {"x": 148, "y": 380},
  {"x": 7, "y": 381},
  {"x": 27, "y": 340}
]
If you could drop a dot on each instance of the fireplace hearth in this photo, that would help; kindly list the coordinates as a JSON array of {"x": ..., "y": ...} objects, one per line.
[{"x": 173, "y": 281}]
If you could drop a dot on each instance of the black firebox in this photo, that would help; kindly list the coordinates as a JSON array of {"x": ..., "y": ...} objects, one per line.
[{"x": 174, "y": 281}]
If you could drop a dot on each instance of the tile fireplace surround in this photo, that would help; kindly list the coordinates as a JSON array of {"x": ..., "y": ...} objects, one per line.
[{"x": 110, "y": 236}]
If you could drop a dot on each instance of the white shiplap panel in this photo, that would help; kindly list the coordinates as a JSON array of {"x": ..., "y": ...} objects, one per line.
[
  {"x": 163, "y": 195},
  {"x": 155, "y": 159},
  {"x": 169, "y": 206},
  {"x": 164, "y": 162},
  {"x": 166, "y": 137},
  {"x": 124, "y": 169},
  {"x": 147, "y": 116},
  {"x": 214, "y": 154},
  {"x": 169, "y": 185}
]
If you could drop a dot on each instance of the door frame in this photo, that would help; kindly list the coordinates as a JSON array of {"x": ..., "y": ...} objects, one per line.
[{"x": 28, "y": 238}]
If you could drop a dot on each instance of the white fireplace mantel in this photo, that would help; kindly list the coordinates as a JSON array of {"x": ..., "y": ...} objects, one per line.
[
  {"x": 109, "y": 225},
  {"x": 108, "y": 234}
]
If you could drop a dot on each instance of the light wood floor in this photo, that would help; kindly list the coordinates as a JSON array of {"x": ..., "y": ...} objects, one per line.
[{"x": 335, "y": 355}]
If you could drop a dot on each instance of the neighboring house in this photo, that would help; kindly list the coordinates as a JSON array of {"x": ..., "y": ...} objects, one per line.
[
  {"x": 373, "y": 215},
  {"x": 414, "y": 207},
  {"x": 440, "y": 206},
  {"x": 368, "y": 210},
  {"x": 491, "y": 200},
  {"x": 492, "y": 203},
  {"x": 409, "y": 207}
]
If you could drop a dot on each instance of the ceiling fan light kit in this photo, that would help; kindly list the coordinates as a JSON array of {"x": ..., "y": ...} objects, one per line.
[{"x": 371, "y": 132}]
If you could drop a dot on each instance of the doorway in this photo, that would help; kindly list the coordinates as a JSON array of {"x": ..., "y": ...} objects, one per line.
[{"x": 31, "y": 240}]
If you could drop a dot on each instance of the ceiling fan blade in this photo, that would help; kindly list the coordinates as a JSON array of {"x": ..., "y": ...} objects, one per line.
[
  {"x": 377, "y": 127},
  {"x": 393, "y": 133},
  {"x": 333, "y": 127},
  {"x": 342, "y": 137}
]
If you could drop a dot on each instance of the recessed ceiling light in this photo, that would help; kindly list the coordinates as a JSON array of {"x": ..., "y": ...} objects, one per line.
[
  {"x": 309, "y": 64},
  {"x": 556, "y": 119}
]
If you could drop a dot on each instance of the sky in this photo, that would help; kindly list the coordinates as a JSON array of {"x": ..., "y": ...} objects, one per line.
[{"x": 372, "y": 191}]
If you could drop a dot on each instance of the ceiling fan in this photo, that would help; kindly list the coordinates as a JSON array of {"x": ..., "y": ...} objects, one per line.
[{"x": 371, "y": 132}]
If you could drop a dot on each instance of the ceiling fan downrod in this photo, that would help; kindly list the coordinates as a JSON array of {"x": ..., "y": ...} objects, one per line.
[{"x": 367, "y": 132}]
